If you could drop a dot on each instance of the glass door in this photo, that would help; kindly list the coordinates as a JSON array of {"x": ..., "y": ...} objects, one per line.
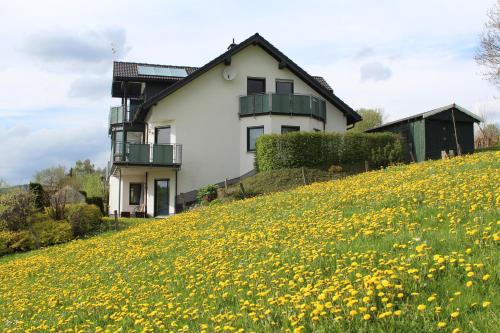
[{"x": 161, "y": 197}]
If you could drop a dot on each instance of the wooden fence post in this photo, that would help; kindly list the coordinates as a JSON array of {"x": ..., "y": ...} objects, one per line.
[
  {"x": 304, "y": 176},
  {"x": 366, "y": 166},
  {"x": 243, "y": 190}
]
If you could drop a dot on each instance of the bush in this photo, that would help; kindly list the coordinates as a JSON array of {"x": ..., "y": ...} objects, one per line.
[
  {"x": 207, "y": 193},
  {"x": 15, "y": 209},
  {"x": 41, "y": 197},
  {"x": 6, "y": 238},
  {"x": 50, "y": 232},
  {"x": 22, "y": 241},
  {"x": 83, "y": 218},
  {"x": 98, "y": 201},
  {"x": 321, "y": 150}
]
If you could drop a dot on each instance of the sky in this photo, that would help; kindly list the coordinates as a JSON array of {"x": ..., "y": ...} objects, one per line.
[{"x": 401, "y": 56}]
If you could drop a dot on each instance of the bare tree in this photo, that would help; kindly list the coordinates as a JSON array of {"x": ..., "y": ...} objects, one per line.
[
  {"x": 488, "y": 134},
  {"x": 488, "y": 54}
]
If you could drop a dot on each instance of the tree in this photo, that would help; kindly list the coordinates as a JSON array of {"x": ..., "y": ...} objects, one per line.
[
  {"x": 3, "y": 183},
  {"x": 83, "y": 168},
  {"x": 371, "y": 118},
  {"x": 52, "y": 178},
  {"x": 488, "y": 54}
]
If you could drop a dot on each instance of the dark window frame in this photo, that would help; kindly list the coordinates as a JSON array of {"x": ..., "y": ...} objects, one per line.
[
  {"x": 285, "y": 81},
  {"x": 248, "y": 136},
  {"x": 256, "y": 79},
  {"x": 138, "y": 202},
  {"x": 156, "y": 133},
  {"x": 292, "y": 128}
]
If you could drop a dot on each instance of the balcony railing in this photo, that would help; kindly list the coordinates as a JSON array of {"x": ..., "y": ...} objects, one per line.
[
  {"x": 290, "y": 104},
  {"x": 154, "y": 154},
  {"x": 117, "y": 114}
]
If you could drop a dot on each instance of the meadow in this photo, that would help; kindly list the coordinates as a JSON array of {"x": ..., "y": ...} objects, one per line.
[{"x": 409, "y": 248}]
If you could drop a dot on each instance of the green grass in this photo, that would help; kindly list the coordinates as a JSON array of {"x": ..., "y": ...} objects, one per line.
[{"x": 289, "y": 261}]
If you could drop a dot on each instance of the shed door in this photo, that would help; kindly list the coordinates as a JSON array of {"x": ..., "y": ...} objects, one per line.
[{"x": 440, "y": 136}]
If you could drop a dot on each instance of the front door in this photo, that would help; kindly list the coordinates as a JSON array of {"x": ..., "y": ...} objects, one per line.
[{"x": 161, "y": 197}]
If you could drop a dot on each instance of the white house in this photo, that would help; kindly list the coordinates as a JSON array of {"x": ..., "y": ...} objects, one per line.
[{"x": 180, "y": 128}]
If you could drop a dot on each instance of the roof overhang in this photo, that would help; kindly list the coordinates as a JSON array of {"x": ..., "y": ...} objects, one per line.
[{"x": 427, "y": 115}]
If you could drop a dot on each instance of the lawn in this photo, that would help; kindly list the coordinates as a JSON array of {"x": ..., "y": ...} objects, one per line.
[{"x": 410, "y": 248}]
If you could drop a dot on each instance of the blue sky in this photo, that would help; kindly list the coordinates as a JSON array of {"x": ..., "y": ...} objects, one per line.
[{"x": 402, "y": 56}]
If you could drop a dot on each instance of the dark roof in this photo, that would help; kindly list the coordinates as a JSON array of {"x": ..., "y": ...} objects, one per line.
[
  {"x": 351, "y": 115},
  {"x": 127, "y": 71},
  {"x": 323, "y": 82},
  {"x": 425, "y": 115}
]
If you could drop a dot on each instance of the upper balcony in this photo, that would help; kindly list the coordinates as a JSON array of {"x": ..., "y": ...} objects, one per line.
[
  {"x": 147, "y": 154},
  {"x": 284, "y": 104},
  {"x": 118, "y": 114}
]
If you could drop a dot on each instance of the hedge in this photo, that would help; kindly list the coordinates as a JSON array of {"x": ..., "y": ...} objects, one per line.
[{"x": 322, "y": 150}]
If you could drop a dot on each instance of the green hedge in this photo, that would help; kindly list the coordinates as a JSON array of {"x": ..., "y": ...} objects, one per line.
[{"x": 321, "y": 150}]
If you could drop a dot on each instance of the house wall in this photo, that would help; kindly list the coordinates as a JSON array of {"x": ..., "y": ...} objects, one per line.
[
  {"x": 139, "y": 174},
  {"x": 203, "y": 116}
]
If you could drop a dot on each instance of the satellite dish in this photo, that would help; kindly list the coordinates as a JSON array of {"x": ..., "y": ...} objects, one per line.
[{"x": 229, "y": 73}]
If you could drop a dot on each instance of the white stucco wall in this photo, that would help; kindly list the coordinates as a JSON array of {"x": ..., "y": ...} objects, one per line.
[
  {"x": 203, "y": 116},
  {"x": 137, "y": 174}
]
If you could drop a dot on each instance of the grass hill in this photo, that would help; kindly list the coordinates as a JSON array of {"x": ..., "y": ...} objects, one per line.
[{"x": 410, "y": 248}]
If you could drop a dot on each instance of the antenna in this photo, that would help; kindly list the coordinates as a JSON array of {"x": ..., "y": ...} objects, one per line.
[{"x": 233, "y": 44}]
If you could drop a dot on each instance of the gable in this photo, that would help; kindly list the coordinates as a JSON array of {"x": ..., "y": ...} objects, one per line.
[{"x": 282, "y": 61}]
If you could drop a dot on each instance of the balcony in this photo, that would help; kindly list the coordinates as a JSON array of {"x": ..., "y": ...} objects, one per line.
[
  {"x": 117, "y": 114},
  {"x": 284, "y": 104},
  {"x": 147, "y": 154}
]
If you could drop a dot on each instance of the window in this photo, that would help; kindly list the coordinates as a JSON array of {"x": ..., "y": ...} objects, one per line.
[
  {"x": 256, "y": 86},
  {"x": 135, "y": 194},
  {"x": 162, "y": 135},
  {"x": 284, "y": 87},
  {"x": 134, "y": 137},
  {"x": 252, "y": 134},
  {"x": 288, "y": 129},
  {"x": 316, "y": 130}
]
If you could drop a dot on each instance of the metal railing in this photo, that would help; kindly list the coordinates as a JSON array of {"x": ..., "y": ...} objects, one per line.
[
  {"x": 291, "y": 104},
  {"x": 145, "y": 153}
]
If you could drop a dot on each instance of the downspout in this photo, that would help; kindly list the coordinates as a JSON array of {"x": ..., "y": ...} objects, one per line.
[
  {"x": 175, "y": 197},
  {"x": 119, "y": 193},
  {"x": 146, "y": 197}
]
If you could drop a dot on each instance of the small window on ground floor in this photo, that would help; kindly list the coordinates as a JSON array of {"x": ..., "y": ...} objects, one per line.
[
  {"x": 316, "y": 130},
  {"x": 135, "y": 194},
  {"x": 252, "y": 134},
  {"x": 288, "y": 129}
]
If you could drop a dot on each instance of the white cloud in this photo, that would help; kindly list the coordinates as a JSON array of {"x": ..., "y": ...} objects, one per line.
[{"x": 375, "y": 71}]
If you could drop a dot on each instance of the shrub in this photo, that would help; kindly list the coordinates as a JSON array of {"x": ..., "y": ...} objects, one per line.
[
  {"x": 321, "y": 150},
  {"x": 207, "y": 193},
  {"x": 83, "y": 218},
  {"x": 98, "y": 201},
  {"x": 15, "y": 209},
  {"x": 5, "y": 241},
  {"x": 51, "y": 232},
  {"x": 22, "y": 241},
  {"x": 41, "y": 197}
]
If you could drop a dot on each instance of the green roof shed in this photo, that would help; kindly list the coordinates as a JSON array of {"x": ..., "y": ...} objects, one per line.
[{"x": 426, "y": 135}]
